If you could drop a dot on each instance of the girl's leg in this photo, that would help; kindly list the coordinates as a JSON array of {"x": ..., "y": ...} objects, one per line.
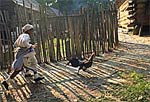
[
  {"x": 34, "y": 67},
  {"x": 11, "y": 76},
  {"x": 91, "y": 57},
  {"x": 81, "y": 67}
]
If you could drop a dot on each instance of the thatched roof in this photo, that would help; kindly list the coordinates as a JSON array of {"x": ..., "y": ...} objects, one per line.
[
  {"x": 35, "y": 4},
  {"x": 56, "y": 12},
  {"x": 8, "y": 5}
]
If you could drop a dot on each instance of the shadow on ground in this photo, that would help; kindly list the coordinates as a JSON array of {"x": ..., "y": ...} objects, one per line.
[{"x": 62, "y": 84}]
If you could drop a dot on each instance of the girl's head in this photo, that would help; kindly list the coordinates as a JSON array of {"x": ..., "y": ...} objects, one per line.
[{"x": 28, "y": 28}]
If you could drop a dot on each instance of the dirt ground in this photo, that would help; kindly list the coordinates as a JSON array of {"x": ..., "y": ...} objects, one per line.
[{"x": 62, "y": 84}]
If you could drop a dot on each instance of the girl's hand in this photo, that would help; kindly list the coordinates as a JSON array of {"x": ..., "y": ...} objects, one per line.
[{"x": 35, "y": 45}]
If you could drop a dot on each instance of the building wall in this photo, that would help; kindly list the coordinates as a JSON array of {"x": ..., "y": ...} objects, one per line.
[
  {"x": 123, "y": 15},
  {"x": 134, "y": 15}
]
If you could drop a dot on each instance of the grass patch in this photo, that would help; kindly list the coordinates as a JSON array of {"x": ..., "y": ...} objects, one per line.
[
  {"x": 135, "y": 89},
  {"x": 101, "y": 99}
]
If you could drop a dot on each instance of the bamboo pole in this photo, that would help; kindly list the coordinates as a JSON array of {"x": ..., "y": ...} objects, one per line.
[
  {"x": 24, "y": 12},
  {"x": 46, "y": 34},
  {"x": 1, "y": 50},
  {"x": 116, "y": 43},
  {"x": 88, "y": 30},
  {"x": 58, "y": 39},
  {"x": 3, "y": 42},
  {"x": 8, "y": 38},
  {"x": 102, "y": 29},
  {"x": 42, "y": 33},
  {"x": 62, "y": 46},
  {"x": 98, "y": 36},
  {"x": 18, "y": 18},
  {"x": 67, "y": 44},
  {"x": 51, "y": 43},
  {"x": 70, "y": 22},
  {"x": 38, "y": 50}
]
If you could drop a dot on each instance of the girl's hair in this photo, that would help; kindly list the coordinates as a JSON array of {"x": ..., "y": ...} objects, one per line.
[{"x": 28, "y": 30}]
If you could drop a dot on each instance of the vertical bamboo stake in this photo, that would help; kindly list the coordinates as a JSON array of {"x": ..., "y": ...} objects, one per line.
[
  {"x": 1, "y": 50},
  {"x": 102, "y": 28},
  {"x": 3, "y": 41},
  {"x": 9, "y": 38},
  {"x": 58, "y": 39},
  {"x": 98, "y": 30},
  {"x": 92, "y": 33},
  {"x": 62, "y": 45},
  {"x": 70, "y": 22},
  {"x": 51, "y": 43},
  {"x": 67, "y": 38},
  {"x": 25, "y": 15},
  {"x": 82, "y": 32},
  {"x": 88, "y": 30},
  {"x": 38, "y": 55},
  {"x": 42, "y": 33},
  {"x": 79, "y": 39},
  {"x": 36, "y": 39},
  {"x": 62, "y": 38},
  {"x": 61, "y": 30},
  {"x": 77, "y": 32},
  {"x": 74, "y": 36},
  {"x": 116, "y": 26},
  {"x": 86, "y": 33},
  {"x": 18, "y": 19},
  {"x": 67, "y": 43},
  {"x": 91, "y": 26},
  {"x": 111, "y": 18},
  {"x": 46, "y": 33},
  {"x": 31, "y": 21}
]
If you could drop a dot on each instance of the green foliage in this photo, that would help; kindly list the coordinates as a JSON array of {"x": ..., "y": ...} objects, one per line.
[
  {"x": 63, "y": 5},
  {"x": 45, "y": 2},
  {"x": 70, "y": 5}
]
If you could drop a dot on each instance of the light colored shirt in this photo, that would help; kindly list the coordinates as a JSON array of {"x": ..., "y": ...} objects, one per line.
[{"x": 23, "y": 41}]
